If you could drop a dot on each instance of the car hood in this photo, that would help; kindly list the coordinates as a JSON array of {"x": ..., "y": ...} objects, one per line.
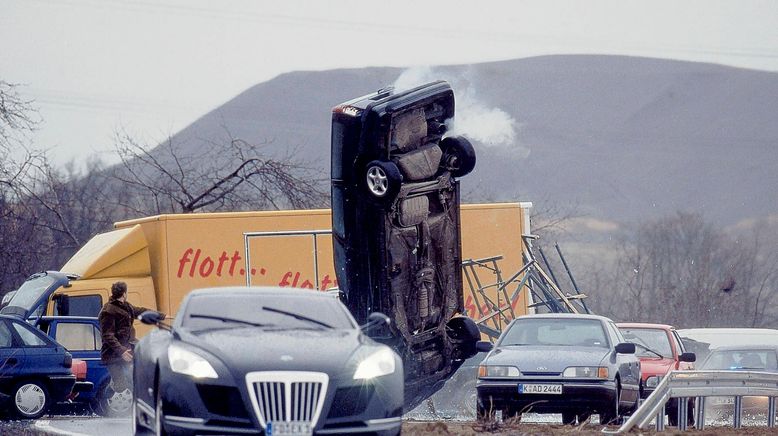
[
  {"x": 650, "y": 366},
  {"x": 547, "y": 359},
  {"x": 245, "y": 350}
]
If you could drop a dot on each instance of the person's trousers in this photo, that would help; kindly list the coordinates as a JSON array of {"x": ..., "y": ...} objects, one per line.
[{"x": 121, "y": 375}]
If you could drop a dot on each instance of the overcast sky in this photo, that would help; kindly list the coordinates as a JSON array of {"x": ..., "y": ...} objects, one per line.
[{"x": 154, "y": 66}]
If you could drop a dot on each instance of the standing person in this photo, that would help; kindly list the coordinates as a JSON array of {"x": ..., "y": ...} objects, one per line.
[{"x": 116, "y": 318}]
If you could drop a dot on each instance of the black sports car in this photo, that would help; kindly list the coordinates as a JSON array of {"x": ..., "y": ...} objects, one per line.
[
  {"x": 396, "y": 229},
  {"x": 575, "y": 365},
  {"x": 265, "y": 360}
]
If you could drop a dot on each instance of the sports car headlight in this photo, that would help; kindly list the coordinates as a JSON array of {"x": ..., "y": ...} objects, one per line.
[
  {"x": 586, "y": 372},
  {"x": 498, "y": 371},
  {"x": 376, "y": 364},
  {"x": 652, "y": 381},
  {"x": 186, "y": 362}
]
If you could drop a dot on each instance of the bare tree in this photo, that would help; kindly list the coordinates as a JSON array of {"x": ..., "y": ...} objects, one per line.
[
  {"x": 683, "y": 271},
  {"x": 235, "y": 175}
]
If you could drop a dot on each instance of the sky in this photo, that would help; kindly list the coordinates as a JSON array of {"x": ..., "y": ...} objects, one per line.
[{"x": 152, "y": 67}]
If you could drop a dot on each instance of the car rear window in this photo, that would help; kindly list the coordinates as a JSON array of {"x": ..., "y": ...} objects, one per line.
[
  {"x": 742, "y": 360},
  {"x": 555, "y": 331}
]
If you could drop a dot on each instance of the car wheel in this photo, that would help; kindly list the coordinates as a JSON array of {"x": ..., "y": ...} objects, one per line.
[
  {"x": 159, "y": 421},
  {"x": 458, "y": 155},
  {"x": 30, "y": 399},
  {"x": 113, "y": 404},
  {"x": 382, "y": 180},
  {"x": 611, "y": 414},
  {"x": 568, "y": 418},
  {"x": 672, "y": 414}
]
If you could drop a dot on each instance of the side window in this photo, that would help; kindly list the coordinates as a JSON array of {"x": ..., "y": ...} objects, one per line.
[
  {"x": 616, "y": 334},
  {"x": 77, "y": 336},
  {"x": 6, "y": 339},
  {"x": 678, "y": 343},
  {"x": 28, "y": 336},
  {"x": 79, "y": 305}
]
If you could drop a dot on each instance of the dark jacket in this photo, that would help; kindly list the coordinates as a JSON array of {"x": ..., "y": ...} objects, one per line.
[{"x": 116, "y": 320}]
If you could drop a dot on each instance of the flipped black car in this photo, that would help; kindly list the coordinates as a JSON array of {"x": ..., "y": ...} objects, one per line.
[
  {"x": 396, "y": 225},
  {"x": 576, "y": 365},
  {"x": 270, "y": 360}
]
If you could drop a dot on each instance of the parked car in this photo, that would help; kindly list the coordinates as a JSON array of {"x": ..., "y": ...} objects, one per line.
[
  {"x": 576, "y": 365},
  {"x": 660, "y": 350},
  {"x": 739, "y": 358},
  {"x": 396, "y": 225},
  {"x": 35, "y": 371},
  {"x": 275, "y": 360},
  {"x": 703, "y": 340}
]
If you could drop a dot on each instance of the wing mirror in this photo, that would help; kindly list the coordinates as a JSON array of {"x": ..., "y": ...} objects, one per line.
[
  {"x": 687, "y": 357},
  {"x": 152, "y": 317},
  {"x": 625, "y": 348},
  {"x": 376, "y": 319},
  {"x": 483, "y": 346}
]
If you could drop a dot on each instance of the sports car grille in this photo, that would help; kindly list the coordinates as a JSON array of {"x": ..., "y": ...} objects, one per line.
[{"x": 287, "y": 395}]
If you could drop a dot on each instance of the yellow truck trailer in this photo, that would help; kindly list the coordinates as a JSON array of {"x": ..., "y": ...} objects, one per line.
[{"x": 164, "y": 257}]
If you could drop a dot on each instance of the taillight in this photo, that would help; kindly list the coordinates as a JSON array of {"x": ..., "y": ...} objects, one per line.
[{"x": 68, "y": 362}]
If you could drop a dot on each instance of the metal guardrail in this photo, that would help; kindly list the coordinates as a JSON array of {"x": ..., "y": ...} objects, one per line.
[{"x": 700, "y": 385}]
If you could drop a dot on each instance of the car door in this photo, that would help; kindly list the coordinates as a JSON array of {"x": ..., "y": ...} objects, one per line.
[
  {"x": 41, "y": 354},
  {"x": 11, "y": 355},
  {"x": 629, "y": 367},
  {"x": 82, "y": 338}
]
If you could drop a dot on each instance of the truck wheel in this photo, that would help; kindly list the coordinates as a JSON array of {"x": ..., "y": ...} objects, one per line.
[
  {"x": 382, "y": 180},
  {"x": 458, "y": 155},
  {"x": 30, "y": 399}
]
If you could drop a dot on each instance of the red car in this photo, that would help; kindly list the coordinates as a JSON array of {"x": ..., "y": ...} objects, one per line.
[{"x": 660, "y": 350}]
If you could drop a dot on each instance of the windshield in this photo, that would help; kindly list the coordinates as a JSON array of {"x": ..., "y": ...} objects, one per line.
[
  {"x": 648, "y": 339},
  {"x": 30, "y": 292},
  {"x": 555, "y": 331},
  {"x": 764, "y": 360},
  {"x": 265, "y": 310}
]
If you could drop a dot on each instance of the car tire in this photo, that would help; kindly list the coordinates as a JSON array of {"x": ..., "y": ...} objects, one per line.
[
  {"x": 382, "y": 181},
  {"x": 610, "y": 416},
  {"x": 458, "y": 155},
  {"x": 105, "y": 404},
  {"x": 672, "y": 414},
  {"x": 30, "y": 399},
  {"x": 568, "y": 418}
]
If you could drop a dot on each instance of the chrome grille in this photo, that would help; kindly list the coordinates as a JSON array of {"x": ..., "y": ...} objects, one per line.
[{"x": 287, "y": 395}]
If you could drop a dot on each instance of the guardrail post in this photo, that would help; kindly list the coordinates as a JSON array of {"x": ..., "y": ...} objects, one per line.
[
  {"x": 683, "y": 413},
  {"x": 771, "y": 412},
  {"x": 660, "y": 420},
  {"x": 737, "y": 418},
  {"x": 699, "y": 411}
]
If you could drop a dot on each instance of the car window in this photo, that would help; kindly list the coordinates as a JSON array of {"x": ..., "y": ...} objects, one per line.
[
  {"x": 28, "y": 336},
  {"x": 6, "y": 339},
  {"x": 80, "y": 305},
  {"x": 617, "y": 336},
  {"x": 678, "y": 343},
  {"x": 742, "y": 360},
  {"x": 655, "y": 339},
  {"x": 555, "y": 331},
  {"x": 76, "y": 336}
]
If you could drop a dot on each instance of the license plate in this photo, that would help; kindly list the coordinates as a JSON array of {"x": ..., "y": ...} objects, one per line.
[
  {"x": 540, "y": 389},
  {"x": 288, "y": 428}
]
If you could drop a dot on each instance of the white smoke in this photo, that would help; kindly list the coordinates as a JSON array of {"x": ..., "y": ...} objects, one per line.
[{"x": 473, "y": 119}]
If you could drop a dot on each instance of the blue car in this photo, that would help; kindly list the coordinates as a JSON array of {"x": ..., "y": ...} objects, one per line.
[
  {"x": 34, "y": 369},
  {"x": 80, "y": 335}
]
